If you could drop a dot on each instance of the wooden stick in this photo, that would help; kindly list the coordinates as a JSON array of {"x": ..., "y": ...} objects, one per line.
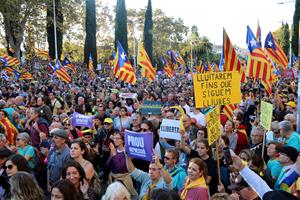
[
  {"x": 263, "y": 145},
  {"x": 218, "y": 160}
]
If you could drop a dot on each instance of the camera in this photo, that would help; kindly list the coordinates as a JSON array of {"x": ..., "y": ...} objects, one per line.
[{"x": 252, "y": 118}]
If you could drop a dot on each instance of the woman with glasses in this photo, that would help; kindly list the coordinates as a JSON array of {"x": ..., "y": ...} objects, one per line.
[
  {"x": 201, "y": 134},
  {"x": 16, "y": 163},
  {"x": 123, "y": 121},
  {"x": 26, "y": 150},
  {"x": 117, "y": 163}
]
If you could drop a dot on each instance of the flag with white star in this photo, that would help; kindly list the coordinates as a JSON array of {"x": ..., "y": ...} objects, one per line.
[
  {"x": 258, "y": 65},
  {"x": 275, "y": 52},
  {"x": 122, "y": 67}
]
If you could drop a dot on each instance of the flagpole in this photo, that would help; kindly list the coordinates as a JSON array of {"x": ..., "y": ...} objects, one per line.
[
  {"x": 298, "y": 98},
  {"x": 54, "y": 24}
]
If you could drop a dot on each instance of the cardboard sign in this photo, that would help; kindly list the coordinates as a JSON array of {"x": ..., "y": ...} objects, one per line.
[
  {"x": 170, "y": 129},
  {"x": 218, "y": 88},
  {"x": 151, "y": 108},
  {"x": 213, "y": 125},
  {"x": 139, "y": 145},
  {"x": 82, "y": 120},
  {"x": 266, "y": 114}
]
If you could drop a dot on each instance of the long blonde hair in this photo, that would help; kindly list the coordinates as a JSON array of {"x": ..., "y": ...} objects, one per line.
[{"x": 23, "y": 187}]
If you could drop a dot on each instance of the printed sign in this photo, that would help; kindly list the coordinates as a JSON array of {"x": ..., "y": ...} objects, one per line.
[
  {"x": 217, "y": 88},
  {"x": 139, "y": 145},
  {"x": 151, "y": 108},
  {"x": 82, "y": 120},
  {"x": 266, "y": 114},
  {"x": 170, "y": 129},
  {"x": 213, "y": 125},
  {"x": 128, "y": 95}
]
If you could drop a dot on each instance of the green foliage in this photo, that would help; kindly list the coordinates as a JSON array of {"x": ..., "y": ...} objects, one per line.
[
  {"x": 295, "y": 31},
  {"x": 59, "y": 28},
  {"x": 90, "y": 27},
  {"x": 148, "y": 31},
  {"x": 284, "y": 37},
  {"x": 121, "y": 25}
]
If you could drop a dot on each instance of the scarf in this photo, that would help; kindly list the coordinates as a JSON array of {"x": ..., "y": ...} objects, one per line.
[
  {"x": 147, "y": 195},
  {"x": 200, "y": 182}
]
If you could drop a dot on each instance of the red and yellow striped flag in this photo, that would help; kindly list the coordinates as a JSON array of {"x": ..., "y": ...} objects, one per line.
[{"x": 144, "y": 61}]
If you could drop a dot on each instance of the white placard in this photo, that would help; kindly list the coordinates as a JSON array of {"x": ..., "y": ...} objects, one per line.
[{"x": 170, "y": 129}]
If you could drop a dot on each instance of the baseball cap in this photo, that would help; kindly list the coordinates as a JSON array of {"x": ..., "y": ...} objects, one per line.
[
  {"x": 291, "y": 104},
  {"x": 108, "y": 120},
  {"x": 291, "y": 152}
]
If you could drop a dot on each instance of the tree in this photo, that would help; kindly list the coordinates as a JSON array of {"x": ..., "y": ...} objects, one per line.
[
  {"x": 284, "y": 37},
  {"x": 148, "y": 31},
  {"x": 121, "y": 25},
  {"x": 15, "y": 14},
  {"x": 295, "y": 31},
  {"x": 59, "y": 28},
  {"x": 90, "y": 27}
]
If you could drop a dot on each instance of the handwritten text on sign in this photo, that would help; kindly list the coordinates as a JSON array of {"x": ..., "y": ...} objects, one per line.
[
  {"x": 213, "y": 125},
  {"x": 139, "y": 145},
  {"x": 219, "y": 88}
]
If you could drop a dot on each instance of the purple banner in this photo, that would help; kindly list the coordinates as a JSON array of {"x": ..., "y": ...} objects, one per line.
[
  {"x": 82, "y": 120},
  {"x": 139, "y": 145}
]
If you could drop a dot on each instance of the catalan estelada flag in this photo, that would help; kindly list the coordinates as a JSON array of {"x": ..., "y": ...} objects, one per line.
[
  {"x": 61, "y": 72},
  {"x": 258, "y": 33},
  {"x": 178, "y": 58},
  {"x": 258, "y": 66},
  {"x": 144, "y": 61},
  {"x": 275, "y": 52},
  {"x": 91, "y": 67},
  {"x": 122, "y": 68},
  {"x": 10, "y": 61},
  {"x": 167, "y": 67},
  {"x": 68, "y": 64},
  {"x": 231, "y": 60}
]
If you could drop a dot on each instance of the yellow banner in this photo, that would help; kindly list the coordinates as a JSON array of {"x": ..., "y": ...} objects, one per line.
[
  {"x": 266, "y": 113},
  {"x": 217, "y": 88},
  {"x": 213, "y": 125}
]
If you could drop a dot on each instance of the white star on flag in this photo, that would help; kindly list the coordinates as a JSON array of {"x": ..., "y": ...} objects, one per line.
[
  {"x": 253, "y": 42},
  {"x": 270, "y": 43},
  {"x": 123, "y": 56}
]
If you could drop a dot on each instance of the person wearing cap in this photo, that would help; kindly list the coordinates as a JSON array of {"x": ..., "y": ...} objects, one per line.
[
  {"x": 290, "y": 107},
  {"x": 291, "y": 136},
  {"x": 287, "y": 158},
  {"x": 57, "y": 156},
  {"x": 26, "y": 150},
  {"x": 102, "y": 141}
]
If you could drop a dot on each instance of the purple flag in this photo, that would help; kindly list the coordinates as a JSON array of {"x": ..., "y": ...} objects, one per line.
[
  {"x": 139, "y": 145},
  {"x": 82, "y": 120}
]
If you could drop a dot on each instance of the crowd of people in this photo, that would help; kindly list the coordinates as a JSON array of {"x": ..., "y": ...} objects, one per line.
[{"x": 43, "y": 155}]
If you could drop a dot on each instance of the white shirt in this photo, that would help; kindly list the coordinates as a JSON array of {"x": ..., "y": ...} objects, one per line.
[{"x": 199, "y": 117}]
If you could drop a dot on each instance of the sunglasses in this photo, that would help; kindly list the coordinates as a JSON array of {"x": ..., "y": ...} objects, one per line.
[
  {"x": 167, "y": 158},
  {"x": 106, "y": 123},
  {"x": 144, "y": 129},
  {"x": 8, "y": 167},
  {"x": 18, "y": 139}
]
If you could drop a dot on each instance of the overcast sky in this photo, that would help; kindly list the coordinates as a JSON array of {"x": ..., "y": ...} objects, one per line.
[{"x": 210, "y": 16}]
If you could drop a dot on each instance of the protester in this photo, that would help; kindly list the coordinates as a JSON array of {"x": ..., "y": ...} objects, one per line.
[
  {"x": 195, "y": 186},
  {"x": 116, "y": 190},
  {"x": 64, "y": 190},
  {"x": 24, "y": 187}
]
